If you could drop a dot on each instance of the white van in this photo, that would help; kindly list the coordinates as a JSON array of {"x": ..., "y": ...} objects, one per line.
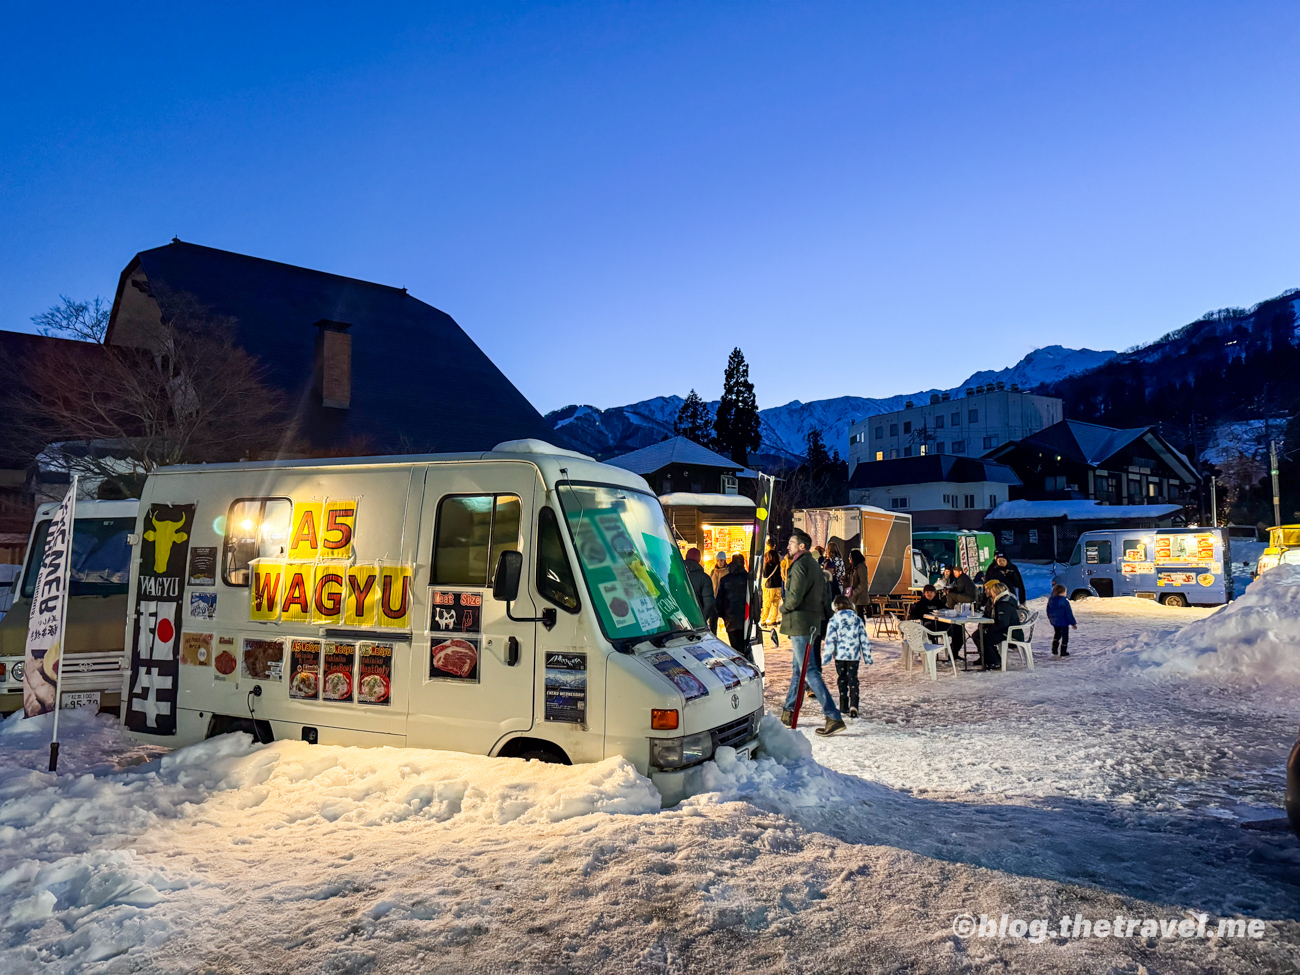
[{"x": 526, "y": 601}]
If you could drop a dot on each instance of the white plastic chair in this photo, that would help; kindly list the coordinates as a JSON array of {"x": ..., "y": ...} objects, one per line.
[
  {"x": 1020, "y": 638},
  {"x": 928, "y": 644}
]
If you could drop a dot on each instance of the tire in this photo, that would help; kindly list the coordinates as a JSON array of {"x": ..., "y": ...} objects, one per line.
[
  {"x": 1176, "y": 600},
  {"x": 1079, "y": 595},
  {"x": 544, "y": 755}
]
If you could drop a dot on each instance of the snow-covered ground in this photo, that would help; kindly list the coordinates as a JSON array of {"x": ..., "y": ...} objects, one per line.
[{"x": 1108, "y": 783}]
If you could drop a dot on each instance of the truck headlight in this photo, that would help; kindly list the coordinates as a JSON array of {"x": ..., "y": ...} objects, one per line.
[
  {"x": 16, "y": 672},
  {"x": 679, "y": 752}
]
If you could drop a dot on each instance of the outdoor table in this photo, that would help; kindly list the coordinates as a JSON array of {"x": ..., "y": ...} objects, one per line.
[{"x": 951, "y": 617}]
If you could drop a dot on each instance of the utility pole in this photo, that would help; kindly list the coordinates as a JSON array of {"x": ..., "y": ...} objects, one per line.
[
  {"x": 1272, "y": 464},
  {"x": 1214, "y": 503}
]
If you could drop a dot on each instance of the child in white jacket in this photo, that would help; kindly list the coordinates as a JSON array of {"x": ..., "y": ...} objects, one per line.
[{"x": 846, "y": 644}]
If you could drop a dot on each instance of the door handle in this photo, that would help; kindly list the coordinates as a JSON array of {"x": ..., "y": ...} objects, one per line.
[{"x": 512, "y": 651}]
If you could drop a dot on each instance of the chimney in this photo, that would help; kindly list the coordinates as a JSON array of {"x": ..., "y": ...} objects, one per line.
[
  {"x": 934, "y": 398},
  {"x": 946, "y": 397},
  {"x": 1001, "y": 386},
  {"x": 969, "y": 391},
  {"x": 907, "y": 405},
  {"x": 333, "y": 370},
  {"x": 1015, "y": 387}
]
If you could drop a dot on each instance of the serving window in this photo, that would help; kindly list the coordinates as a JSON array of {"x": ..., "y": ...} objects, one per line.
[
  {"x": 472, "y": 532},
  {"x": 256, "y": 528}
]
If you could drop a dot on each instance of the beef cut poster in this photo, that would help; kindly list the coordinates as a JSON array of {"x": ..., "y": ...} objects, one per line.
[{"x": 456, "y": 621}]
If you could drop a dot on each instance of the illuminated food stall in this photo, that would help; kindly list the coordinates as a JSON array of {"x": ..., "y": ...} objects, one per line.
[{"x": 711, "y": 522}]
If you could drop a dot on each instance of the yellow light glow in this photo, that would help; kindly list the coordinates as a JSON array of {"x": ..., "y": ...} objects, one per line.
[{"x": 247, "y": 524}]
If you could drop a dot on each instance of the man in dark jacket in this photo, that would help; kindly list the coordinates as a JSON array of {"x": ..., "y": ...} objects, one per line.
[
  {"x": 929, "y": 602},
  {"x": 801, "y": 619},
  {"x": 733, "y": 599},
  {"x": 701, "y": 585},
  {"x": 1003, "y": 570}
]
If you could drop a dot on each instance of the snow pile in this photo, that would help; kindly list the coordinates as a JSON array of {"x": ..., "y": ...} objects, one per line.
[{"x": 1257, "y": 635}]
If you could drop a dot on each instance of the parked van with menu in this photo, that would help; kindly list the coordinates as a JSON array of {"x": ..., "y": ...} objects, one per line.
[
  {"x": 101, "y": 563},
  {"x": 1176, "y": 566},
  {"x": 524, "y": 602}
]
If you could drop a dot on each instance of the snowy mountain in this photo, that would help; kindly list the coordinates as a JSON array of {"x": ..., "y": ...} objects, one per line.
[{"x": 619, "y": 429}]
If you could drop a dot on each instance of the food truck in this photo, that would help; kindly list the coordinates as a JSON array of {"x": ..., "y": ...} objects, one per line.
[
  {"x": 525, "y": 601},
  {"x": 971, "y": 549},
  {"x": 92, "y": 664},
  {"x": 1283, "y": 546},
  {"x": 884, "y": 537},
  {"x": 1177, "y": 566}
]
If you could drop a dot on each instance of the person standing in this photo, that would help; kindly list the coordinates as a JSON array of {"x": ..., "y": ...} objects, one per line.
[
  {"x": 771, "y": 591},
  {"x": 834, "y": 564},
  {"x": 733, "y": 603},
  {"x": 1061, "y": 615},
  {"x": 1005, "y": 571},
  {"x": 801, "y": 617},
  {"x": 701, "y": 585},
  {"x": 715, "y": 576},
  {"x": 848, "y": 646},
  {"x": 859, "y": 582}
]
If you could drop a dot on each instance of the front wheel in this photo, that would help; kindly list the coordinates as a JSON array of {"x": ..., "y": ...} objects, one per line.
[
  {"x": 1177, "y": 600},
  {"x": 1080, "y": 594}
]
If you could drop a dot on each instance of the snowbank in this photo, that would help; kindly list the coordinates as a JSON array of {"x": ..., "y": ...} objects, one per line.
[{"x": 1257, "y": 635}]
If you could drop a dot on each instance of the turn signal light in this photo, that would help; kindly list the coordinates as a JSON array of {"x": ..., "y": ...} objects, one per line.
[
  {"x": 663, "y": 719},
  {"x": 3, "y": 668}
]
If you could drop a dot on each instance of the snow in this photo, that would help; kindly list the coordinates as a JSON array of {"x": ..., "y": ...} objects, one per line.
[
  {"x": 687, "y": 499},
  {"x": 1079, "y": 510},
  {"x": 530, "y": 446},
  {"x": 1102, "y": 784},
  {"x": 1257, "y": 635}
]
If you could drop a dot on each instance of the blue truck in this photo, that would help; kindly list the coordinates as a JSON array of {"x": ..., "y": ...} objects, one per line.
[{"x": 1176, "y": 566}]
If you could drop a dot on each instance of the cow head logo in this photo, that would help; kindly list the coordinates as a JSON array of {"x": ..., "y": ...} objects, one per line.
[{"x": 164, "y": 535}]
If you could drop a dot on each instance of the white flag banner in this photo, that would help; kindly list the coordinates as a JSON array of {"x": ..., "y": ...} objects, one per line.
[{"x": 46, "y": 623}]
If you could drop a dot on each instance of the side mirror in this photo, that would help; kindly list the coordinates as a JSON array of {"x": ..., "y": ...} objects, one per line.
[{"x": 505, "y": 583}]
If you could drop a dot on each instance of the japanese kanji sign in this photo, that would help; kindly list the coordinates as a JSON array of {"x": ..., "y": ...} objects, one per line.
[
  {"x": 160, "y": 589},
  {"x": 44, "y": 639}
]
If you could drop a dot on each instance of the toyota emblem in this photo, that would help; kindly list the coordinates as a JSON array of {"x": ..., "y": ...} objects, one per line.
[{"x": 735, "y": 702}]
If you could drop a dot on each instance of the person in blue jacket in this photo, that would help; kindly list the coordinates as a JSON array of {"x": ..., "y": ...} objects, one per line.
[{"x": 1061, "y": 615}]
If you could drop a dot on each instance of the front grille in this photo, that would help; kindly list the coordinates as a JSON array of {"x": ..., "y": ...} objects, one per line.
[{"x": 734, "y": 733}]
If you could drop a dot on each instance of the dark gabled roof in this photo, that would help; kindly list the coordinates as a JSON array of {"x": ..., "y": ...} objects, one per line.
[
  {"x": 675, "y": 450},
  {"x": 419, "y": 383},
  {"x": 1085, "y": 443},
  {"x": 928, "y": 469}
]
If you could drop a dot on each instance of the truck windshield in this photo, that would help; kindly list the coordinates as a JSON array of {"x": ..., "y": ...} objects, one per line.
[
  {"x": 101, "y": 557},
  {"x": 634, "y": 572}
]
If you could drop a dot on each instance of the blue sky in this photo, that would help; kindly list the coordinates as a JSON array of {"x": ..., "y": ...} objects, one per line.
[{"x": 866, "y": 198}]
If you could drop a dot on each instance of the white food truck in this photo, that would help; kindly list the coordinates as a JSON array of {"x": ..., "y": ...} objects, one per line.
[{"x": 526, "y": 601}]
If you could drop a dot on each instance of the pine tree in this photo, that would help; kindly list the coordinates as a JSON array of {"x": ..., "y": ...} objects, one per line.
[
  {"x": 736, "y": 427},
  {"x": 694, "y": 421}
]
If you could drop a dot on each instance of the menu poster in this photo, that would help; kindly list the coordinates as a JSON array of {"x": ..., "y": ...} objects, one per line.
[
  {"x": 203, "y": 566},
  {"x": 262, "y": 659},
  {"x": 566, "y": 687},
  {"x": 718, "y": 664},
  {"x": 337, "y": 666},
  {"x": 223, "y": 668},
  {"x": 456, "y": 658},
  {"x": 456, "y": 612},
  {"x": 304, "y": 669},
  {"x": 375, "y": 673},
  {"x": 686, "y": 682},
  {"x": 196, "y": 649}
]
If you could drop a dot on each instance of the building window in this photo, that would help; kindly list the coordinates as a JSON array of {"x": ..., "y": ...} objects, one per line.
[
  {"x": 1054, "y": 483},
  {"x": 938, "y": 422},
  {"x": 956, "y": 419},
  {"x": 880, "y": 455},
  {"x": 907, "y": 426},
  {"x": 893, "y": 452},
  {"x": 880, "y": 433},
  {"x": 993, "y": 500},
  {"x": 938, "y": 447},
  {"x": 907, "y": 451},
  {"x": 968, "y": 501},
  {"x": 922, "y": 450},
  {"x": 898, "y": 502},
  {"x": 334, "y": 364},
  {"x": 893, "y": 429},
  {"x": 855, "y": 438},
  {"x": 974, "y": 416},
  {"x": 1033, "y": 536},
  {"x": 1151, "y": 489},
  {"x": 473, "y": 531},
  {"x": 728, "y": 484},
  {"x": 1008, "y": 536},
  {"x": 990, "y": 442},
  {"x": 959, "y": 446}
]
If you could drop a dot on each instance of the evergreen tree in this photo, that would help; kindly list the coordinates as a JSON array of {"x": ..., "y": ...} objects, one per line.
[
  {"x": 694, "y": 421},
  {"x": 816, "y": 453},
  {"x": 736, "y": 427}
]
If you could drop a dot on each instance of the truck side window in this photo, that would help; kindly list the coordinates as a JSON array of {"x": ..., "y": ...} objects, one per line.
[
  {"x": 1097, "y": 553},
  {"x": 1135, "y": 550},
  {"x": 256, "y": 528},
  {"x": 473, "y": 531},
  {"x": 554, "y": 575}
]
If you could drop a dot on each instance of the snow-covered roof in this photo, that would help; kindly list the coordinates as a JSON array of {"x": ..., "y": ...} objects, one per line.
[
  {"x": 686, "y": 499},
  {"x": 1078, "y": 510},
  {"x": 675, "y": 450}
]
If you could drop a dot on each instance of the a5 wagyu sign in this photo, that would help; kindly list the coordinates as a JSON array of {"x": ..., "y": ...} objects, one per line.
[{"x": 320, "y": 583}]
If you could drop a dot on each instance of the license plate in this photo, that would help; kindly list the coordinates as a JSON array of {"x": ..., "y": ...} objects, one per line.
[
  {"x": 745, "y": 751},
  {"x": 81, "y": 699}
]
